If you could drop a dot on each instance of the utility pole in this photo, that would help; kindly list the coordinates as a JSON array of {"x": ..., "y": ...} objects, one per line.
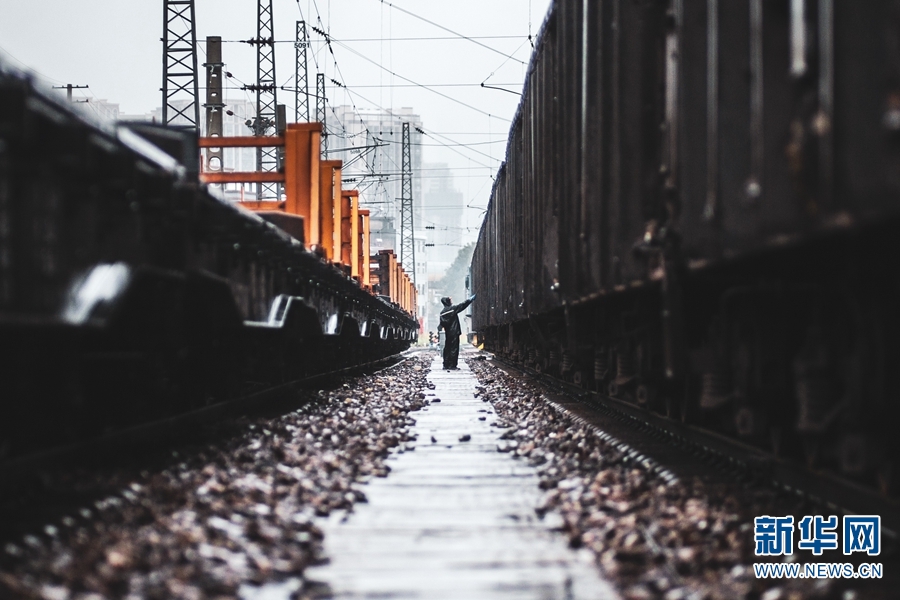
[
  {"x": 301, "y": 103},
  {"x": 215, "y": 103},
  {"x": 407, "y": 230},
  {"x": 180, "y": 84},
  {"x": 69, "y": 87},
  {"x": 266, "y": 122},
  {"x": 320, "y": 109}
]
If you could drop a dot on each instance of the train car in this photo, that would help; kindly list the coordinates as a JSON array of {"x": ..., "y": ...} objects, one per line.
[
  {"x": 697, "y": 214},
  {"x": 130, "y": 292}
]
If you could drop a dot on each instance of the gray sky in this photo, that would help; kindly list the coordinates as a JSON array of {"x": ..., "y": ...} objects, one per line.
[{"x": 114, "y": 46}]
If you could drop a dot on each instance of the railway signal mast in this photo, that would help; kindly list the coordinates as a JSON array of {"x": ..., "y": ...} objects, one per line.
[
  {"x": 407, "y": 231},
  {"x": 180, "y": 89}
]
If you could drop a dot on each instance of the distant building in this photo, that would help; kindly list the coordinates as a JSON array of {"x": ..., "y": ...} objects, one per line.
[
  {"x": 377, "y": 171},
  {"x": 443, "y": 207},
  {"x": 102, "y": 109}
]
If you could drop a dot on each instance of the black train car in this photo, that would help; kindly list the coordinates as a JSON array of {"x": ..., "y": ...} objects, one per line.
[
  {"x": 129, "y": 293},
  {"x": 698, "y": 213}
]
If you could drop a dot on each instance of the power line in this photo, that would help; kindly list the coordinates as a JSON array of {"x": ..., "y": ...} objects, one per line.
[
  {"x": 448, "y": 30},
  {"x": 337, "y": 67},
  {"x": 407, "y": 85},
  {"x": 425, "y": 87},
  {"x": 391, "y": 113},
  {"x": 451, "y": 146},
  {"x": 403, "y": 39}
]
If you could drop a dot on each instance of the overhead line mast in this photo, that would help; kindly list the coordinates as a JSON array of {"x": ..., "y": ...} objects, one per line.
[
  {"x": 266, "y": 122},
  {"x": 407, "y": 231},
  {"x": 215, "y": 102},
  {"x": 180, "y": 90},
  {"x": 320, "y": 109},
  {"x": 301, "y": 104}
]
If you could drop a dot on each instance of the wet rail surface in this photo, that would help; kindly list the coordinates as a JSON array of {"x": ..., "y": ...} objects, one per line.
[{"x": 455, "y": 518}]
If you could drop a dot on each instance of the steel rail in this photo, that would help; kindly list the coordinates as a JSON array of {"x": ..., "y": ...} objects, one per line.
[
  {"x": 819, "y": 486},
  {"x": 171, "y": 430}
]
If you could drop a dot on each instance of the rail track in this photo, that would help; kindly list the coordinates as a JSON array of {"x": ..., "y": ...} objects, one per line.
[
  {"x": 164, "y": 433},
  {"x": 821, "y": 487}
]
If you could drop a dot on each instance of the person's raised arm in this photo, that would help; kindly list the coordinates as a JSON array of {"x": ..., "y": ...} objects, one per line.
[{"x": 461, "y": 307}]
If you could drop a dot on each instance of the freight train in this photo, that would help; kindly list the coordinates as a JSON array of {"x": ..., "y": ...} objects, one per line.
[
  {"x": 698, "y": 215},
  {"x": 130, "y": 292}
]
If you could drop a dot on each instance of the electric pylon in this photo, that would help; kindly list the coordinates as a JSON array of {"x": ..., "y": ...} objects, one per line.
[
  {"x": 301, "y": 104},
  {"x": 320, "y": 109},
  {"x": 407, "y": 230},
  {"x": 266, "y": 94},
  {"x": 180, "y": 89}
]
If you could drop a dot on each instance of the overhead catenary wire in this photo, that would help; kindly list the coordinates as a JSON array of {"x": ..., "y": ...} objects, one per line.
[
  {"x": 328, "y": 43},
  {"x": 448, "y": 30},
  {"x": 402, "y": 39},
  {"x": 424, "y": 87},
  {"x": 421, "y": 131}
]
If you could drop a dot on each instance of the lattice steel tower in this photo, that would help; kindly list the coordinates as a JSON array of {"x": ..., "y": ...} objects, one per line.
[
  {"x": 320, "y": 109},
  {"x": 301, "y": 104},
  {"x": 266, "y": 93},
  {"x": 180, "y": 89},
  {"x": 407, "y": 224}
]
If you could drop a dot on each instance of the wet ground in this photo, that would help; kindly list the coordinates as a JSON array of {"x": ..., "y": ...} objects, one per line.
[
  {"x": 410, "y": 483},
  {"x": 455, "y": 519}
]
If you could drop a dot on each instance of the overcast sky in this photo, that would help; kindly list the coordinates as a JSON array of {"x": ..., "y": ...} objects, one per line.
[{"x": 114, "y": 47}]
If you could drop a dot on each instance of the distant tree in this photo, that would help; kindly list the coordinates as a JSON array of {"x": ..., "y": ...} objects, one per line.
[{"x": 453, "y": 283}]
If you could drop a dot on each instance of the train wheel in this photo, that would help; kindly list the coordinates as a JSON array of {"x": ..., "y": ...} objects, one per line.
[
  {"x": 684, "y": 407},
  {"x": 854, "y": 454},
  {"x": 812, "y": 450},
  {"x": 884, "y": 478},
  {"x": 775, "y": 440},
  {"x": 578, "y": 378},
  {"x": 645, "y": 395}
]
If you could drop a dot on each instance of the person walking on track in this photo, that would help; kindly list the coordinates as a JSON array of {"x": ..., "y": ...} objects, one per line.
[{"x": 450, "y": 324}]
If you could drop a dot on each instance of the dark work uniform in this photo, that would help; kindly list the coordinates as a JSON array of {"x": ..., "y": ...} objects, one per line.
[{"x": 450, "y": 324}]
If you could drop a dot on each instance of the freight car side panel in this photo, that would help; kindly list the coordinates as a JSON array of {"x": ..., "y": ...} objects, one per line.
[
  {"x": 736, "y": 125},
  {"x": 548, "y": 90},
  {"x": 568, "y": 142},
  {"x": 866, "y": 97},
  {"x": 691, "y": 179},
  {"x": 640, "y": 28}
]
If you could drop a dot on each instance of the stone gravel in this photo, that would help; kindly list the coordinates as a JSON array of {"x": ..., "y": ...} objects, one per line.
[
  {"x": 239, "y": 512},
  {"x": 687, "y": 540}
]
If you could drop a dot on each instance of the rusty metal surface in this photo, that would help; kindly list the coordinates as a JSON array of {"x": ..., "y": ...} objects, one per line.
[
  {"x": 248, "y": 177},
  {"x": 241, "y": 142},
  {"x": 454, "y": 519}
]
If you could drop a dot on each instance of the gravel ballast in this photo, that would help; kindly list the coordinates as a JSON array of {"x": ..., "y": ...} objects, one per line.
[
  {"x": 676, "y": 540},
  {"x": 235, "y": 513}
]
